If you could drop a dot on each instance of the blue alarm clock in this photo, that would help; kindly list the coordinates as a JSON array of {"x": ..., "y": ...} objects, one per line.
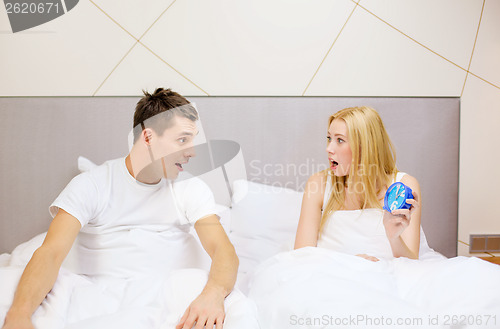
[{"x": 396, "y": 196}]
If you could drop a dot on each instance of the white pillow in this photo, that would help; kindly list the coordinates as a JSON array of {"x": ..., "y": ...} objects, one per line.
[
  {"x": 426, "y": 252},
  {"x": 85, "y": 164},
  {"x": 265, "y": 211},
  {"x": 264, "y": 221}
]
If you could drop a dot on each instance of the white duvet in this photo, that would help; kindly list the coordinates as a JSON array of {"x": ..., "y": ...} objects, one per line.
[
  {"x": 305, "y": 288},
  {"x": 81, "y": 302},
  {"x": 319, "y": 288}
]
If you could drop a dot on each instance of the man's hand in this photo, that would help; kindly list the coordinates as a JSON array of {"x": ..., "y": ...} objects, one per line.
[
  {"x": 18, "y": 323},
  {"x": 206, "y": 311}
]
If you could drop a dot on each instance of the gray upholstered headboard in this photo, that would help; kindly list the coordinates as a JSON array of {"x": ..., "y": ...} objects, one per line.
[{"x": 282, "y": 140}]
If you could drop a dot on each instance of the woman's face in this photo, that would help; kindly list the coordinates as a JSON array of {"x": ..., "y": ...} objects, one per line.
[{"x": 338, "y": 149}]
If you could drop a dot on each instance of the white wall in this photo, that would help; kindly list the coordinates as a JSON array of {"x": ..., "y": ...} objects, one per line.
[{"x": 282, "y": 47}]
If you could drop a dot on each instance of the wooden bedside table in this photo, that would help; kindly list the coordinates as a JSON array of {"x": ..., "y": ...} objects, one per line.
[{"x": 494, "y": 260}]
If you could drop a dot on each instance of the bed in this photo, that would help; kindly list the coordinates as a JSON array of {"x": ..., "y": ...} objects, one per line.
[{"x": 47, "y": 141}]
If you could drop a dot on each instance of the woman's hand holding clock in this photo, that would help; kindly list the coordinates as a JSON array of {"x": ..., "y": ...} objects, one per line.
[{"x": 396, "y": 218}]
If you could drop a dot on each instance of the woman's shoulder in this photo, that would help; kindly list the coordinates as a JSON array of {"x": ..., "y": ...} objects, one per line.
[
  {"x": 316, "y": 184},
  {"x": 410, "y": 181},
  {"x": 319, "y": 177}
]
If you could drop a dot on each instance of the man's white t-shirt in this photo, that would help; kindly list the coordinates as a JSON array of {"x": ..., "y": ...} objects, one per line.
[{"x": 130, "y": 228}]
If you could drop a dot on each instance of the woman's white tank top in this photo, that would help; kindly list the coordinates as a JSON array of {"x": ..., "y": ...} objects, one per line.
[{"x": 355, "y": 232}]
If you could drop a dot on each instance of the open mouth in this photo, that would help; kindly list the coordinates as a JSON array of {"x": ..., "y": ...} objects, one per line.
[
  {"x": 333, "y": 164},
  {"x": 179, "y": 166}
]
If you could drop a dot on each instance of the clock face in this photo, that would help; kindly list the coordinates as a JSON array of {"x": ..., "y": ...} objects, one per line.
[{"x": 396, "y": 197}]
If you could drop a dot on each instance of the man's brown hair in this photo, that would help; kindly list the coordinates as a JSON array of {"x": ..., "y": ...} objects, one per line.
[{"x": 157, "y": 110}]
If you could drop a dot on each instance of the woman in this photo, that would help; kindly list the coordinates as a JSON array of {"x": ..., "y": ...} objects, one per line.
[
  {"x": 348, "y": 216},
  {"x": 330, "y": 287}
]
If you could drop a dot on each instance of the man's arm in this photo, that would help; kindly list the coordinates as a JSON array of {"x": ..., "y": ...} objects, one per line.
[
  {"x": 208, "y": 308},
  {"x": 41, "y": 272}
]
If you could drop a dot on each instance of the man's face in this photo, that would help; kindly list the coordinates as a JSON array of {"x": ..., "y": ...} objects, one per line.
[{"x": 175, "y": 146}]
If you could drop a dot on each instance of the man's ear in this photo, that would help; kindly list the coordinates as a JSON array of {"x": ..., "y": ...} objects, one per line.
[{"x": 147, "y": 136}]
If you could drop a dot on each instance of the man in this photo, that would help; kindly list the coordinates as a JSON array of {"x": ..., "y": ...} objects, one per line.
[{"x": 128, "y": 208}]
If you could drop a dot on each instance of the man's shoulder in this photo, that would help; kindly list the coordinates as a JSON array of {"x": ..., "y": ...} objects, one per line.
[
  {"x": 103, "y": 168},
  {"x": 101, "y": 174}
]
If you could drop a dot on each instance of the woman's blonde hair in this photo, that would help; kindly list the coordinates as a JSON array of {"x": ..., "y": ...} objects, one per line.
[{"x": 373, "y": 163}]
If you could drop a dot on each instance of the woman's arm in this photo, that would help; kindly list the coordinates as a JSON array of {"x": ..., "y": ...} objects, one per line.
[
  {"x": 310, "y": 213},
  {"x": 403, "y": 226}
]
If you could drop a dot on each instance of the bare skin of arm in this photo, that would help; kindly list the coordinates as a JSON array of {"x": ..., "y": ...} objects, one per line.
[
  {"x": 403, "y": 226},
  {"x": 310, "y": 213},
  {"x": 41, "y": 272},
  {"x": 208, "y": 308}
]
